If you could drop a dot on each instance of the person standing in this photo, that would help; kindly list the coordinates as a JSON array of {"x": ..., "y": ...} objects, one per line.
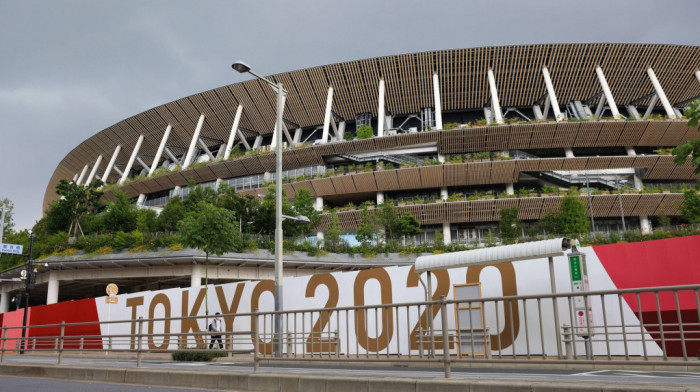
[{"x": 215, "y": 328}]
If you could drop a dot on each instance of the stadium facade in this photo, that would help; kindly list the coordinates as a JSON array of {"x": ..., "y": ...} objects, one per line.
[{"x": 521, "y": 117}]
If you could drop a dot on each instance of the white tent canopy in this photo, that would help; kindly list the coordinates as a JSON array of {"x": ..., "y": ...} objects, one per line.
[{"x": 498, "y": 254}]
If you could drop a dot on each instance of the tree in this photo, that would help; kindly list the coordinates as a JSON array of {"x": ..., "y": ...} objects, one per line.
[
  {"x": 198, "y": 194},
  {"x": 332, "y": 237},
  {"x": 408, "y": 224},
  {"x": 509, "y": 225},
  {"x": 245, "y": 207},
  {"x": 366, "y": 231},
  {"x": 364, "y": 132},
  {"x": 64, "y": 214},
  {"x": 146, "y": 220},
  {"x": 387, "y": 219},
  {"x": 120, "y": 215},
  {"x": 264, "y": 220},
  {"x": 172, "y": 213},
  {"x": 9, "y": 223},
  {"x": 304, "y": 205},
  {"x": 690, "y": 209},
  {"x": 550, "y": 222},
  {"x": 572, "y": 219},
  {"x": 213, "y": 231},
  {"x": 692, "y": 147}
]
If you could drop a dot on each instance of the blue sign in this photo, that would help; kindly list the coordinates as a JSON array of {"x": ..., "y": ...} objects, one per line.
[{"x": 11, "y": 249}]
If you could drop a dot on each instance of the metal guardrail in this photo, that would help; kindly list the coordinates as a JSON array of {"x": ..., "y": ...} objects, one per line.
[{"x": 629, "y": 326}]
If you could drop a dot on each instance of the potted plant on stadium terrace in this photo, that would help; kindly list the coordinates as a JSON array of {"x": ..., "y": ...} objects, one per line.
[
  {"x": 457, "y": 196},
  {"x": 368, "y": 167},
  {"x": 380, "y": 166},
  {"x": 389, "y": 166}
]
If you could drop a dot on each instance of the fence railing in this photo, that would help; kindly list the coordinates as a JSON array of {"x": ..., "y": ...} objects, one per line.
[{"x": 657, "y": 325}]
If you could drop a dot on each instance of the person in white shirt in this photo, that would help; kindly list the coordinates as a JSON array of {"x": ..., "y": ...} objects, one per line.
[{"x": 215, "y": 327}]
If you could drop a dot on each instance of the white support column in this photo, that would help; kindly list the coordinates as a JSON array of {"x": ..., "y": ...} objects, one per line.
[
  {"x": 258, "y": 142},
  {"x": 660, "y": 92},
  {"x": 568, "y": 152},
  {"x": 340, "y": 133},
  {"x": 537, "y": 112},
  {"x": 161, "y": 147},
  {"x": 318, "y": 206},
  {"x": 297, "y": 135},
  {"x": 4, "y": 302},
  {"x": 193, "y": 143},
  {"x": 600, "y": 108},
  {"x": 652, "y": 105},
  {"x": 380, "y": 110},
  {"x": 438, "y": 103},
  {"x": 327, "y": 116},
  {"x": 52, "y": 291},
  {"x": 134, "y": 153},
  {"x": 196, "y": 276},
  {"x": 697, "y": 75},
  {"x": 446, "y": 233},
  {"x": 234, "y": 131},
  {"x": 607, "y": 93},
  {"x": 443, "y": 193},
  {"x": 93, "y": 172},
  {"x": 110, "y": 165},
  {"x": 206, "y": 149},
  {"x": 75, "y": 177},
  {"x": 510, "y": 189},
  {"x": 552, "y": 96},
  {"x": 82, "y": 175},
  {"x": 630, "y": 151},
  {"x": 494, "y": 98},
  {"x": 547, "y": 104},
  {"x": 380, "y": 198},
  {"x": 645, "y": 225},
  {"x": 273, "y": 142},
  {"x": 441, "y": 158}
]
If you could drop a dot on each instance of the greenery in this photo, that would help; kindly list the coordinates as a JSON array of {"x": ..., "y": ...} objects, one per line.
[
  {"x": 197, "y": 356},
  {"x": 509, "y": 225},
  {"x": 449, "y": 126},
  {"x": 75, "y": 201},
  {"x": 690, "y": 148},
  {"x": 365, "y": 132},
  {"x": 690, "y": 209},
  {"x": 573, "y": 218}
]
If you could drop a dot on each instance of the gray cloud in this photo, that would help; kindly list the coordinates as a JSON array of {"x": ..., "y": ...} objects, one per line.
[{"x": 72, "y": 68}]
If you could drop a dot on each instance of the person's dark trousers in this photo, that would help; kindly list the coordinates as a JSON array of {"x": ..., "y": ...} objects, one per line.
[{"x": 216, "y": 338}]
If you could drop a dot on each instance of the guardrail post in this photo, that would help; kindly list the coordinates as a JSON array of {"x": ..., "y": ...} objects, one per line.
[
  {"x": 568, "y": 341},
  {"x": 256, "y": 339},
  {"x": 445, "y": 338},
  {"x": 4, "y": 339},
  {"x": 487, "y": 343},
  {"x": 139, "y": 340},
  {"x": 289, "y": 344},
  {"x": 60, "y": 344}
]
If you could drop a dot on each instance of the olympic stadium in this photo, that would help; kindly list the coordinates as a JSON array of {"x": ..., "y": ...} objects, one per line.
[{"x": 457, "y": 135}]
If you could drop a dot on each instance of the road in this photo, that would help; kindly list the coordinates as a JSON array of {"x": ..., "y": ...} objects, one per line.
[
  {"x": 25, "y": 384},
  {"x": 517, "y": 374}
]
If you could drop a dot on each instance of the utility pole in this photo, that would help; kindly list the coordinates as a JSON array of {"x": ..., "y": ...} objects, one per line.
[{"x": 30, "y": 277}]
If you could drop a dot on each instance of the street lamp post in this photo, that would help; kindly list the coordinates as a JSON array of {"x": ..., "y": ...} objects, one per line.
[
  {"x": 29, "y": 285},
  {"x": 281, "y": 93},
  {"x": 619, "y": 197},
  {"x": 590, "y": 203}
]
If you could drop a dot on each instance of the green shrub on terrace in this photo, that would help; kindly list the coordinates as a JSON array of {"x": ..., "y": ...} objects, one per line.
[
  {"x": 197, "y": 356},
  {"x": 365, "y": 132},
  {"x": 451, "y": 125}
]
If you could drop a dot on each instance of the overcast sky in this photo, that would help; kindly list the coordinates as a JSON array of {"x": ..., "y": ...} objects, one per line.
[{"x": 69, "y": 69}]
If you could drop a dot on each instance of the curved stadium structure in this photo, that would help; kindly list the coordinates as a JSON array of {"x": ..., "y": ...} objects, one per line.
[{"x": 465, "y": 132}]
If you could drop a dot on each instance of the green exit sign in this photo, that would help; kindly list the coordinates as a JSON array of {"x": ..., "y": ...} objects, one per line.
[{"x": 575, "y": 262}]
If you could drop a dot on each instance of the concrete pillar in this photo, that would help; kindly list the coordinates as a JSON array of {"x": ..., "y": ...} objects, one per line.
[
  {"x": 75, "y": 177},
  {"x": 380, "y": 110},
  {"x": 441, "y": 158},
  {"x": 52, "y": 291},
  {"x": 697, "y": 75},
  {"x": 652, "y": 105},
  {"x": 134, "y": 153},
  {"x": 340, "y": 131},
  {"x": 552, "y": 96},
  {"x": 82, "y": 175},
  {"x": 318, "y": 203},
  {"x": 568, "y": 152},
  {"x": 660, "y": 92},
  {"x": 197, "y": 275},
  {"x": 494, "y": 98},
  {"x": 510, "y": 189},
  {"x": 234, "y": 131},
  {"x": 645, "y": 225},
  {"x": 443, "y": 193},
  {"x": 438, "y": 104},
  {"x": 193, "y": 142},
  {"x": 94, "y": 170},
  {"x": 380, "y": 198},
  {"x": 161, "y": 147},
  {"x": 608, "y": 93},
  {"x": 446, "y": 233},
  {"x": 110, "y": 165},
  {"x": 258, "y": 142},
  {"x": 4, "y": 302},
  {"x": 327, "y": 116},
  {"x": 630, "y": 151},
  {"x": 297, "y": 135},
  {"x": 320, "y": 238}
]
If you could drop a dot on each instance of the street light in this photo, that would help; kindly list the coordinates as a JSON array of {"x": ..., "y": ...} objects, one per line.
[
  {"x": 281, "y": 93},
  {"x": 619, "y": 197}
]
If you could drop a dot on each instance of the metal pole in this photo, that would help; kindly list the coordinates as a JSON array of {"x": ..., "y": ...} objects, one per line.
[
  {"x": 590, "y": 205},
  {"x": 278, "y": 225},
  {"x": 2, "y": 220},
  {"x": 619, "y": 197},
  {"x": 26, "y": 290},
  {"x": 555, "y": 305}
]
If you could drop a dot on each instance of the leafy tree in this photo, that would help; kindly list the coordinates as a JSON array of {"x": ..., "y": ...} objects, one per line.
[
  {"x": 76, "y": 200},
  {"x": 120, "y": 215},
  {"x": 364, "y": 132},
  {"x": 509, "y": 224},
  {"x": 388, "y": 220},
  {"x": 146, "y": 220},
  {"x": 245, "y": 207},
  {"x": 9, "y": 223},
  {"x": 212, "y": 230},
  {"x": 572, "y": 219},
  {"x": 198, "y": 194},
  {"x": 692, "y": 147},
  {"x": 690, "y": 209},
  {"x": 550, "y": 222},
  {"x": 366, "y": 231},
  {"x": 408, "y": 224},
  {"x": 264, "y": 220},
  {"x": 304, "y": 205},
  {"x": 332, "y": 237},
  {"x": 172, "y": 213}
]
